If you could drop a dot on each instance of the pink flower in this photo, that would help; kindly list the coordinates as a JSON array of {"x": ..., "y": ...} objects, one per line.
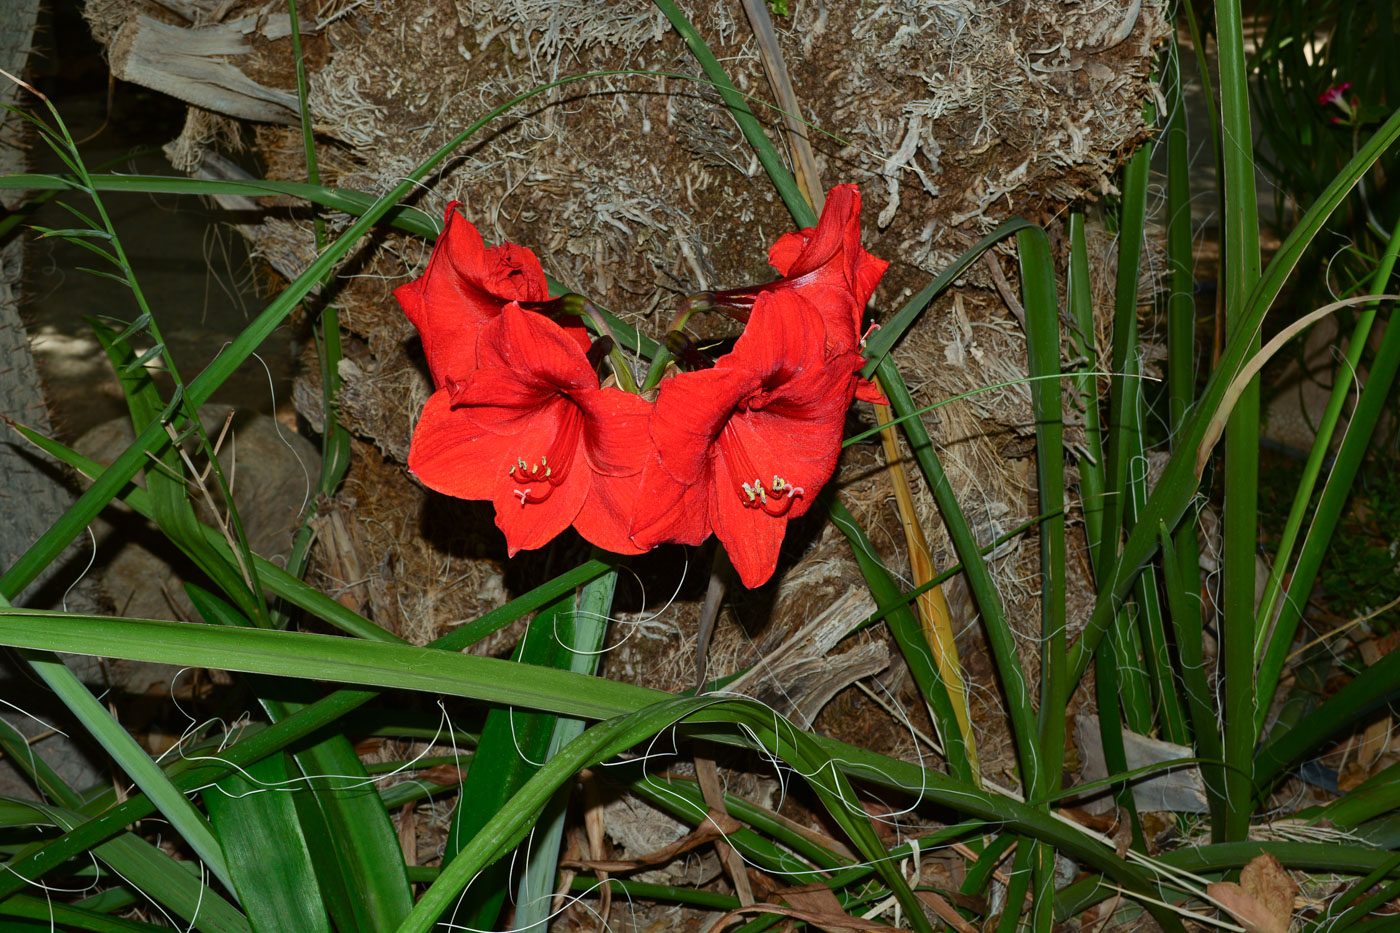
[{"x": 1335, "y": 94}]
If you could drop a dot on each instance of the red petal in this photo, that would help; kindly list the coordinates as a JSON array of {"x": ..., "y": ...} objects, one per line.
[
  {"x": 868, "y": 391},
  {"x": 536, "y": 348},
  {"x": 507, "y": 272},
  {"x": 751, "y": 537},
  {"x": 841, "y": 213},
  {"x": 452, "y": 455},
  {"x": 866, "y": 275},
  {"x": 615, "y": 435},
  {"x": 532, "y": 525},
  {"x": 783, "y": 254},
  {"x": 670, "y": 512},
  {"x": 785, "y": 336},
  {"x": 503, "y": 401},
  {"x": 464, "y": 286},
  {"x": 691, "y": 410},
  {"x": 606, "y": 516}
]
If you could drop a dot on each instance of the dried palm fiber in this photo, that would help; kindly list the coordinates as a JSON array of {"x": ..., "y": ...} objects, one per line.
[{"x": 951, "y": 115}]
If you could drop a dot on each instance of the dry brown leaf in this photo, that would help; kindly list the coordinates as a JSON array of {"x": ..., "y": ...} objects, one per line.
[
  {"x": 1263, "y": 900},
  {"x": 1266, "y": 881},
  {"x": 1250, "y": 914}
]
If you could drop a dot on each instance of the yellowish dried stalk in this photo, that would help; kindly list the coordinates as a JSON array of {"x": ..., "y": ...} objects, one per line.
[{"x": 933, "y": 606}]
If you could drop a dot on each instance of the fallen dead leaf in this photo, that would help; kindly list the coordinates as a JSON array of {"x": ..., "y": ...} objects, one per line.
[{"x": 1263, "y": 900}]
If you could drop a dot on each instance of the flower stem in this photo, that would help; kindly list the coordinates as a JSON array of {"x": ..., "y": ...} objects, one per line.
[{"x": 688, "y": 306}]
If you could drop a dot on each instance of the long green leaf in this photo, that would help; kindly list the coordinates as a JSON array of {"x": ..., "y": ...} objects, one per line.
[
  {"x": 1043, "y": 345},
  {"x": 352, "y": 843},
  {"x": 319, "y": 604},
  {"x": 255, "y": 816},
  {"x": 1179, "y": 481},
  {"x": 1240, "y": 224},
  {"x": 156, "y": 874},
  {"x": 909, "y": 636},
  {"x": 132, "y": 759},
  {"x": 1350, "y": 454},
  {"x": 881, "y": 342},
  {"x": 738, "y": 105},
  {"x": 326, "y": 657},
  {"x": 513, "y": 744},
  {"x": 979, "y": 577},
  {"x": 582, "y": 645},
  {"x": 1125, "y": 424}
]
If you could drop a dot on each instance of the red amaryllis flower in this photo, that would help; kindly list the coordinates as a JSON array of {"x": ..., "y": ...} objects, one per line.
[
  {"x": 742, "y": 448},
  {"x": 465, "y": 285},
  {"x": 826, "y": 265},
  {"x": 531, "y": 431}
]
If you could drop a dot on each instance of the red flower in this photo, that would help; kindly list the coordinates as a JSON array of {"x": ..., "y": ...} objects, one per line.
[
  {"x": 531, "y": 431},
  {"x": 827, "y": 266},
  {"x": 742, "y": 448},
  {"x": 465, "y": 285}
]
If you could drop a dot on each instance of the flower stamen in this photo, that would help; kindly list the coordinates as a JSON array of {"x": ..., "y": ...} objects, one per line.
[{"x": 543, "y": 476}]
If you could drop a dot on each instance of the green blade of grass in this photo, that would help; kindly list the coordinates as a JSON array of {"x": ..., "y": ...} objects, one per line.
[
  {"x": 1043, "y": 346},
  {"x": 737, "y": 103},
  {"x": 1124, "y": 424},
  {"x": 1350, "y": 454},
  {"x": 131, "y": 759},
  {"x": 319, "y": 604},
  {"x": 581, "y": 646},
  {"x": 354, "y": 850},
  {"x": 149, "y": 869},
  {"x": 1184, "y": 612},
  {"x": 1370, "y": 690},
  {"x": 1240, "y": 226},
  {"x": 49, "y": 915},
  {"x": 513, "y": 743},
  {"x": 1092, "y": 486},
  {"x": 883, "y": 340}
]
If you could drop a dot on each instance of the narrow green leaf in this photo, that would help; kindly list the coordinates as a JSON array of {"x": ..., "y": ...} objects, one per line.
[
  {"x": 1043, "y": 345},
  {"x": 1370, "y": 690},
  {"x": 1183, "y": 609},
  {"x": 1079, "y": 294},
  {"x": 979, "y": 577},
  {"x": 1356, "y": 441},
  {"x": 158, "y": 876},
  {"x": 582, "y": 646},
  {"x": 513, "y": 745},
  {"x": 909, "y": 636},
  {"x": 50, "y": 914},
  {"x": 1179, "y": 481},
  {"x": 130, "y": 757},
  {"x": 737, "y": 103},
  {"x": 1124, "y": 425},
  {"x": 255, "y": 817}
]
